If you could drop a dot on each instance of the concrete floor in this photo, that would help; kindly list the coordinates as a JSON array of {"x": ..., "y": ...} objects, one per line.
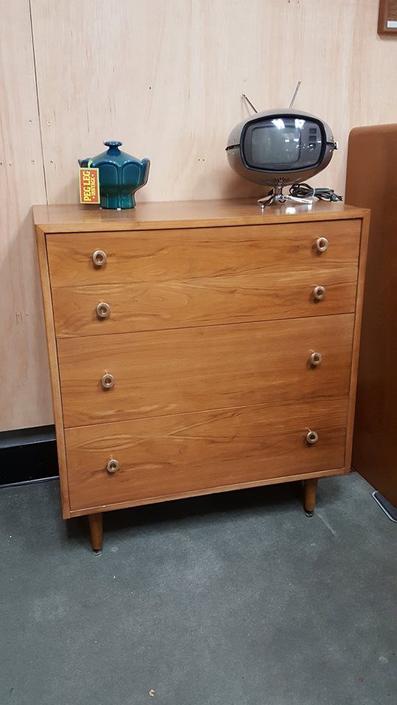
[{"x": 237, "y": 599}]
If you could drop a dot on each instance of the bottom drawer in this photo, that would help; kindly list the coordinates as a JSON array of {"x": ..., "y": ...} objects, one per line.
[{"x": 169, "y": 456}]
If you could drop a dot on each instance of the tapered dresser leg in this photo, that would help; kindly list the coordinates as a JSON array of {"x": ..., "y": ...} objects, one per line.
[
  {"x": 95, "y": 522},
  {"x": 309, "y": 495}
]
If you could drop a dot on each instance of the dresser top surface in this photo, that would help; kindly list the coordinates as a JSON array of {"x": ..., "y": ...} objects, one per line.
[{"x": 184, "y": 214}]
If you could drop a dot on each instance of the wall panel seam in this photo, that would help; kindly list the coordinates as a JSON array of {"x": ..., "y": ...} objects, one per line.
[{"x": 38, "y": 100}]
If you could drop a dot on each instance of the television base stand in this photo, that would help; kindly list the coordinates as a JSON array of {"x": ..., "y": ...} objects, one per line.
[{"x": 276, "y": 196}]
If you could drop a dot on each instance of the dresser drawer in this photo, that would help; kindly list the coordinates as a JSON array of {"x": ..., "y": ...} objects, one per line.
[
  {"x": 123, "y": 308},
  {"x": 186, "y": 370},
  {"x": 191, "y": 253},
  {"x": 171, "y": 456}
]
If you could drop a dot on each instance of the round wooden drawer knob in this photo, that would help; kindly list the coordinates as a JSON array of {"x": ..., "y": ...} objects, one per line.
[
  {"x": 112, "y": 466},
  {"x": 315, "y": 359},
  {"x": 319, "y": 293},
  {"x": 103, "y": 310},
  {"x": 99, "y": 258},
  {"x": 322, "y": 244},
  {"x": 311, "y": 438},
  {"x": 107, "y": 381}
]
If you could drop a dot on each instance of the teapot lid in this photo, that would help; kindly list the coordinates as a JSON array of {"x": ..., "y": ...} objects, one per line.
[{"x": 113, "y": 145}]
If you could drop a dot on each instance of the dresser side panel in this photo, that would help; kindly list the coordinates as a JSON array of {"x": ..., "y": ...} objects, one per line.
[{"x": 54, "y": 370}]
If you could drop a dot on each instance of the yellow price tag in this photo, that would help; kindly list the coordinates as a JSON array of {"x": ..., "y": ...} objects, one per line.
[{"x": 89, "y": 185}]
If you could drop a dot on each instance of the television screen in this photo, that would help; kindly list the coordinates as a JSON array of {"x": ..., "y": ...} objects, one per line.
[{"x": 283, "y": 143}]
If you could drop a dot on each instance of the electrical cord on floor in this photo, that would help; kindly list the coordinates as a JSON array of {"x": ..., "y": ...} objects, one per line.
[{"x": 306, "y": 191}]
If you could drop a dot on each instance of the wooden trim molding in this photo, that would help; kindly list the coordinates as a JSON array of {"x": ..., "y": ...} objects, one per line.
[{"x": 387, "y": 21}]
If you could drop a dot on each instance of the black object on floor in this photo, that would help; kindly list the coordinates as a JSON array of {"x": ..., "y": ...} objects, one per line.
[
  {"x": 28, "y": 454},
  {"x": 234, "y": 599}
]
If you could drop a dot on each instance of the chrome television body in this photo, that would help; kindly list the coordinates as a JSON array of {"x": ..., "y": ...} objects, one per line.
[{"x": 277, "y": 148}]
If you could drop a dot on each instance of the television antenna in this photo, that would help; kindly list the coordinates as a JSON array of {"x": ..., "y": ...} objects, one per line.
[
  {"x": 295, "y": 93},
  {"x": 249, "y": 102},
  {"x": 298, "y": 85}
]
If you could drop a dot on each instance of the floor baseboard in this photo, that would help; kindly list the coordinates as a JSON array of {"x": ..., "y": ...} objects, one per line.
[{"x": 389, "y": 509}]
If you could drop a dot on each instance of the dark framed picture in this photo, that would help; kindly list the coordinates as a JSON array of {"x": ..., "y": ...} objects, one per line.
[{"x": 387, "y": 23}]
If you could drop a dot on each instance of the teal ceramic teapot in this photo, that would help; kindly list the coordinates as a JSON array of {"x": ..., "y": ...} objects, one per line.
[{"x": 120, "y": 175}]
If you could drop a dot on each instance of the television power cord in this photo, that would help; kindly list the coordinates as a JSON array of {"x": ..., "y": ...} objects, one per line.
[
  {"x": 305, "y": 191},
  {"x": 298, "y": 193}
]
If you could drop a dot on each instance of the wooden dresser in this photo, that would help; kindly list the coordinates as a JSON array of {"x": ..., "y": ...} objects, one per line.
[{"x": 198, "y": 347}]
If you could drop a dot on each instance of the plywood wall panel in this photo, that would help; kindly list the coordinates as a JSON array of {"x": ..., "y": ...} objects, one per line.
[
  {"x": 24, "y": 381},
  {"x": 164, "y": 76}
]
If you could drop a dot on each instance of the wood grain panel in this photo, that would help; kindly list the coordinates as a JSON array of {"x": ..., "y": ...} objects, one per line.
[
  {"x": 54, "y": 371},
  {"x": 25, "y": 398},
  {"x": 176, "y": 371},
  {"x": 374, "y": 451},
  {"x": 187, "y": 78},
  {"x": 153, "y": 256},
  {"x": 362, "y": 266},
  {"x": 188, "y": 73},
  {"x": 189, "y": 453},
  {"x": 202, "y": 301}
]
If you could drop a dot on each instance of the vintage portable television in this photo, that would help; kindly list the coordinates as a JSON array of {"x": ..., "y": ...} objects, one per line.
[{"x": 280, "y": 147}]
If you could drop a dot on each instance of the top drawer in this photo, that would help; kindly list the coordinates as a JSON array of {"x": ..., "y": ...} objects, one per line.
[{"x": 161, "y": 255}]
